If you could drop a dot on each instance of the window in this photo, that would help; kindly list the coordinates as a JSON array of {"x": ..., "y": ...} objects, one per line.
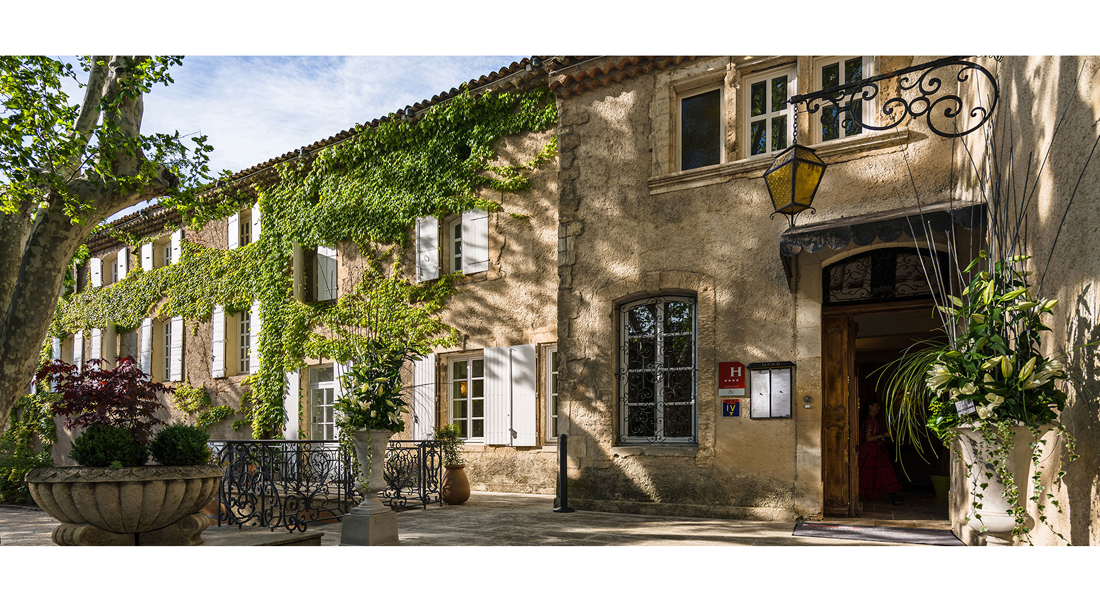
[
  {"x": 700, "y": 129},
  {"x": 167, "y": 324},
  {"x": 769, "y": 120},
  {"x": 110, "y": 269},
  {"x": 466, "y": 388},
  {"x": 245, "y": 223},
  {"x": 550, "y": 359},
  {"x": 322, "y": 395},
  {"x": 324, "y": 274},
  {"x": 454, "y": 245},
  {"x": 657, "y": 371},
  {"x": 832, "y": 72},
  {"x": 166, "y": 251},
  {"x": 244, "y": 321}
]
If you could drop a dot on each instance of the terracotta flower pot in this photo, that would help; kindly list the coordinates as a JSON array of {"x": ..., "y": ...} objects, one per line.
[
  {"x": 126, "y": 507},
  {"x": 455, "y": 487}
]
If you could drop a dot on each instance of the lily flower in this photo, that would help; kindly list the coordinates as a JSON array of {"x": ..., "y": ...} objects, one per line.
[{"x": 968, "y": 389}]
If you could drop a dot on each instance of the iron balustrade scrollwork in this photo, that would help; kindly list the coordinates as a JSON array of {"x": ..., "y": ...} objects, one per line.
[
  {"x": 926, "y": 80},
  {"x": 293, "y": 484}
]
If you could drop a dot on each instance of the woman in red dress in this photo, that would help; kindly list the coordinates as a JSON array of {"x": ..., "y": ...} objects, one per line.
[{"x": 876, "y": 474}]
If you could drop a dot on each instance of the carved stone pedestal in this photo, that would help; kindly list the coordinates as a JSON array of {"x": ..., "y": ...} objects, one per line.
[
  {"x": 371, "y": 523},
  {"x": 185, "y": 532}
]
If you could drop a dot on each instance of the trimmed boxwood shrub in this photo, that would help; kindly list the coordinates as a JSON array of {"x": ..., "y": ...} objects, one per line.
[
  {"x": 108, "y": 446},
  {"x": 181, "y": 446}
]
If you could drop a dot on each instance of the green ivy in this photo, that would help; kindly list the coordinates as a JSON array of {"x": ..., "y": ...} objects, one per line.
[
  {"x": 368, "y": 190},
  {"x": 31, "y": 425}
]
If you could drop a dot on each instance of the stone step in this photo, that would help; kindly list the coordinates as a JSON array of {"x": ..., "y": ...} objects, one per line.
[{"x": 259, "y": 537}]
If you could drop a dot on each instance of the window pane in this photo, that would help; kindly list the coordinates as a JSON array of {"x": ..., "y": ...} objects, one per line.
[
  {"x": 477, "y": 408},
  {"x": 779, "y": 93},
  {"x": 640, "y": 388},
  {"x": 678, "y": 350},
  {"x": 479, "y": 388},
  {"x": 458, "y": 409},
  {"x": 640, "y": 421},
  {"x": 677, "y": 420},
  {"x": 478, "y": 428},
  {"x": 641, "y": 320},
  {"x": 458, "y": 389},
  {"x": 830, "y": 76},
  {"x": 479, "y": 368},
  {"x": 459, "y": 369},
  {"x": 830, "y": 129},
  {"x": 758, "y": 138},
  {"x": 701, "y": 130},
  {"x": 759, "y": 91},
  {"x": 641, "y": 353},
  {"x": 678, "y": 317},
  {"x": 321, "y": 375},
  {"x": 779, "y": 133},
  {"x": 853, "y": 69},
  {"x": 462, "y": 429},
  {"x": 678, "y": 386},
  {"x": 853, "y": 127}
]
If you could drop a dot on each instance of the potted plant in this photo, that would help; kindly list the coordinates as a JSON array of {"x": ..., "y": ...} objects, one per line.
[
  {"x": 991, "y": 389},
  {"x": 112, "y": 498},
  {"x": 369, "y": 413},
  {"x": 455, "y": 487}
]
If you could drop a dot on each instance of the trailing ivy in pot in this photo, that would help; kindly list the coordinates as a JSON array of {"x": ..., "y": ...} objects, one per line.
[
  {"x": 455, "y": 487},
  {"x": 129, "y": 503},
  {"x": 991, "y": 389}
]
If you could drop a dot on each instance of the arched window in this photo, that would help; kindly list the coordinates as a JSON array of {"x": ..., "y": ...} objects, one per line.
[
  {"x": 658, "y": 371},
  {"x": 884, "y": 275}
]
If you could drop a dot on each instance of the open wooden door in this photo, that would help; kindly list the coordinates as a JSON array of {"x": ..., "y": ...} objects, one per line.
[{"x": 839, "y": 419}]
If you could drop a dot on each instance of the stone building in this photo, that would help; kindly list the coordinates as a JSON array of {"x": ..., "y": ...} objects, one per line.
[{"x": 671, "y": 270}]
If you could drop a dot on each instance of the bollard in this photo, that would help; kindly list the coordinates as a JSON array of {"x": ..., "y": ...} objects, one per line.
[{"x": 563, "y": 481}]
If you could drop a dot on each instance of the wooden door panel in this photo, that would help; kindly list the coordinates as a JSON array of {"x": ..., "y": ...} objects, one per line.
[{"x": 837, "y": 460}]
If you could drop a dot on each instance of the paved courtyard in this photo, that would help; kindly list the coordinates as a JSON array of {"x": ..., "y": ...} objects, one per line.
[{"x": 493, "y": 519}]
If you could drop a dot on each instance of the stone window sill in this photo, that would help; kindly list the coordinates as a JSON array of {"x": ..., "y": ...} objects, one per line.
[
  {"x": 655, "y": 450},
  {"x": 832, "y": 151}
]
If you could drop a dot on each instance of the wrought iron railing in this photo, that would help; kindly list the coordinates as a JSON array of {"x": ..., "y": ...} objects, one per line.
[{"x": 293, "y": 484}]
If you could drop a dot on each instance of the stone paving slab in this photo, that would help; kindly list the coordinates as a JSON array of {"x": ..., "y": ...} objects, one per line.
[{"x": 496, "y": 519}]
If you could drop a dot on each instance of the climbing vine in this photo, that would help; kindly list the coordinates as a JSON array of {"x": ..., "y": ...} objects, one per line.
[
  {"x": 367, "y": 190},
  {"x": 26, "y": 444}
]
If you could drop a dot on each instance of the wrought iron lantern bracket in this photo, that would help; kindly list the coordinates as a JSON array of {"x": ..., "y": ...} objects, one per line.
[{"x": 931, "y": 96}]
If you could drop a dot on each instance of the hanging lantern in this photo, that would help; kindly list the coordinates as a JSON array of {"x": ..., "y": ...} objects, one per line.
[{"x": 792, "y": 181}]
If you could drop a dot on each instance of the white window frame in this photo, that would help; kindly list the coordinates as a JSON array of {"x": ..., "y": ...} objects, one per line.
[
  {"x": 244, "y": 341},
  {"x": 452, "y": 253},
  {"x": 550, "y": 393},
  {"x": 469, "y": 418},
  {"x": 867, "y": 110},
  {"x": 682, "y": 95},
  {"x": 792, "y": 89},
  {"x": 313, "y": 386},
  {"x": 244, "y": 228},
  {"x": 624, "y": 372},
  {"x": 109, "y": 269}
]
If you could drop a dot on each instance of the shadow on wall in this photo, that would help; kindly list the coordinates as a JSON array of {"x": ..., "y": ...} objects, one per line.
[{"x": 1082, "y": 417}]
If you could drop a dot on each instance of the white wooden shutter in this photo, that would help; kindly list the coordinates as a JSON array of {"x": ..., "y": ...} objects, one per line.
[
  {"x": 475, "y": 241},
  {"x": 147, "y": 257},
  {"x": 324, "y": 271},
  {"x": 524, "y": 396},
  {"x": 217, "y": 344},
  {"x": 427, "y": 249},
  {"x": 145, "y": 360},
  {"x": 254, "y": 338},
  {"x": 176, "y": 366},
  {"x": 97, "y": 344},
  {"x": 423, "y": 394},
  {"x": 123, "y": 263},
  {"x": 95, "y": 270},
  {"x": 56, "y": 354},
  {"x": 256, "y": 222},
  {"x": 340, "y": 369},
  {"x": 78, "y": 350},
  {"x": 291, "y": 401},
  {"x": 234, "y": 231},
  {"x": 498, "y": 391},
  {"x": 177, "y": 236}
]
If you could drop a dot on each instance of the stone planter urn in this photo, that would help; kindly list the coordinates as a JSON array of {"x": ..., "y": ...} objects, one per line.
[
  {"x": 372, "y": 523},
  {"x": 134, "y": 506},
  {"x": 455, "y": 487},
  {"x": 995, "y": 512}
]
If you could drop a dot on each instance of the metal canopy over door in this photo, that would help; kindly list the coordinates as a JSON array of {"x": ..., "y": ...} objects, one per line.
[{"x": 839, "y": 418}]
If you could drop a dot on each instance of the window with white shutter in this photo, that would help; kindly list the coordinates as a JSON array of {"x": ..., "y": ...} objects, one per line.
[
  {"x": 427, "y": 249},
  {"x": 147, "y": 257},
  {"x": 110, "y": 345},
  {"x": 466, "y": 393},
  {"x": 233, "y": 231},
  {"x": 511, "y": 404},
  {"x": 176, "y": 370},
  {"x": 145, "y": 358},
  {"x": 254, "y": 338},
  {"x": 323, "y": 390},
  {"x": 95, "y": 270},
  {"x": 97, "y": 345},
  {"x": 550, "y": 393},
  {"x": 217, "y": 343},
  {"x": 475, "y": 241},
  {"x": 423, "y": 394},
  {"x": 324, "y": 274}
]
